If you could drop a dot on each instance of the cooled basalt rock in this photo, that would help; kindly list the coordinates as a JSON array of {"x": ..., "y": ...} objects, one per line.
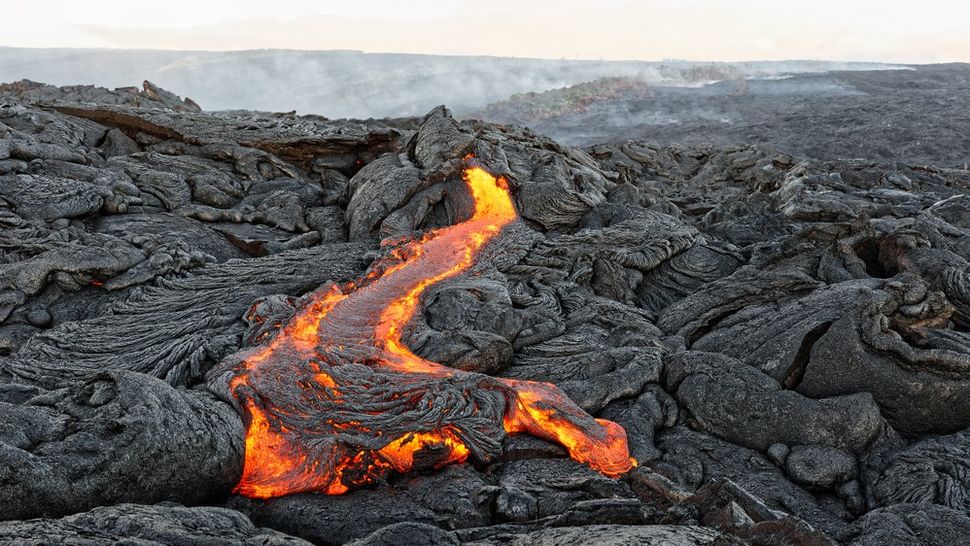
[
  {"x": 458, "y": 497},
  {"x": 180, "y": 327},
  {"x": 933, "y": 471},
  {"x": 145, "y": 524},
  {"x": 149, "y": 96},
  {"x": 608, "y": 534},
  {"x": 820, "y": 467},
  {"x": 116, "y": 437},
  {"x": 915, "y": 384},
  {"x": 407, "y": 533},
  {"x": 695, "y": 459},
  {"x": 745, "y": 406},
  {"x": 911, "y": 524},
  {"x": 785, "y": 342}
]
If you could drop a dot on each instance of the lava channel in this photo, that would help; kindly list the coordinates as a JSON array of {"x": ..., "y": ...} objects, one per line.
[{"x": 336, "y": 399}]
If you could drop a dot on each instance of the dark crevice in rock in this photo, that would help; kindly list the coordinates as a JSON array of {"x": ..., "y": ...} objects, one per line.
[
  {"x": 711, "y": 324},
  {"x": 796, "y": 371},
  {"x": 871, "y": 253}
]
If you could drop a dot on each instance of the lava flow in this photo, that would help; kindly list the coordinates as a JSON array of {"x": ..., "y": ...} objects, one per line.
[{"x": 336, "y": 399}]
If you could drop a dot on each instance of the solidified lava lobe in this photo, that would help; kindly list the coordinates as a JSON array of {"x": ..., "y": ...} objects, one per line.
[{"x": 337, "y": 400}]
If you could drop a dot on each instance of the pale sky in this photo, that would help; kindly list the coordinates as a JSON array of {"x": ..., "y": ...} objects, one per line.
[{"x": 887, "y": 30}]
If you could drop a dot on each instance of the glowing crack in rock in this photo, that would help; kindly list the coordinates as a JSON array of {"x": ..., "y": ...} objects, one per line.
[{"x": 336, "y": 399}]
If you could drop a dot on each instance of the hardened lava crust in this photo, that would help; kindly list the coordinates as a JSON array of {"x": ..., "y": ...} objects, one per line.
[{"x": 254, "y": 328}]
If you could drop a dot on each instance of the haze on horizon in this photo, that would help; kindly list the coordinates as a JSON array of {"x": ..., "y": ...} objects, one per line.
[{"x": 844, "y": 30}]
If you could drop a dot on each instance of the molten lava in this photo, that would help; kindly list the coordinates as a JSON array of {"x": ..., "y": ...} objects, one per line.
[{"x": 336, "y": 399}]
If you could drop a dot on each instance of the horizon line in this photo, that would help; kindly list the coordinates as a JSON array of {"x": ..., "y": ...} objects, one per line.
[{"x": 486, "y": 56}]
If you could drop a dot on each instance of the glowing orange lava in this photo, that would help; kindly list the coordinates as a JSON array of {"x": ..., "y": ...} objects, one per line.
[{"x": 337, "y": 399}]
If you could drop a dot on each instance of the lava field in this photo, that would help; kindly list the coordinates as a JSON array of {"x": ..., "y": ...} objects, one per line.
[
  {"x": 916, "y": 114},
  {"x": 269, "y": 329}
]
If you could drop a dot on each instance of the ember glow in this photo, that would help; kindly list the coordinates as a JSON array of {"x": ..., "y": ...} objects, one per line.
[{"x": 336, "y": 399}]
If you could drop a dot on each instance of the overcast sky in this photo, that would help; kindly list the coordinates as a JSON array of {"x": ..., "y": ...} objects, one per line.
[{"x": 868, "y": 30}]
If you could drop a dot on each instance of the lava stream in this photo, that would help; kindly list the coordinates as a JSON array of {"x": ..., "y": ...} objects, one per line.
[{"x": 337, "y": 400}]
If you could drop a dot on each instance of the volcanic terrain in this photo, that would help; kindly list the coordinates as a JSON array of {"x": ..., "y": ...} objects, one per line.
[
  {"x": 914, "y": 114},
  {"x": 252, "y": 328}
]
